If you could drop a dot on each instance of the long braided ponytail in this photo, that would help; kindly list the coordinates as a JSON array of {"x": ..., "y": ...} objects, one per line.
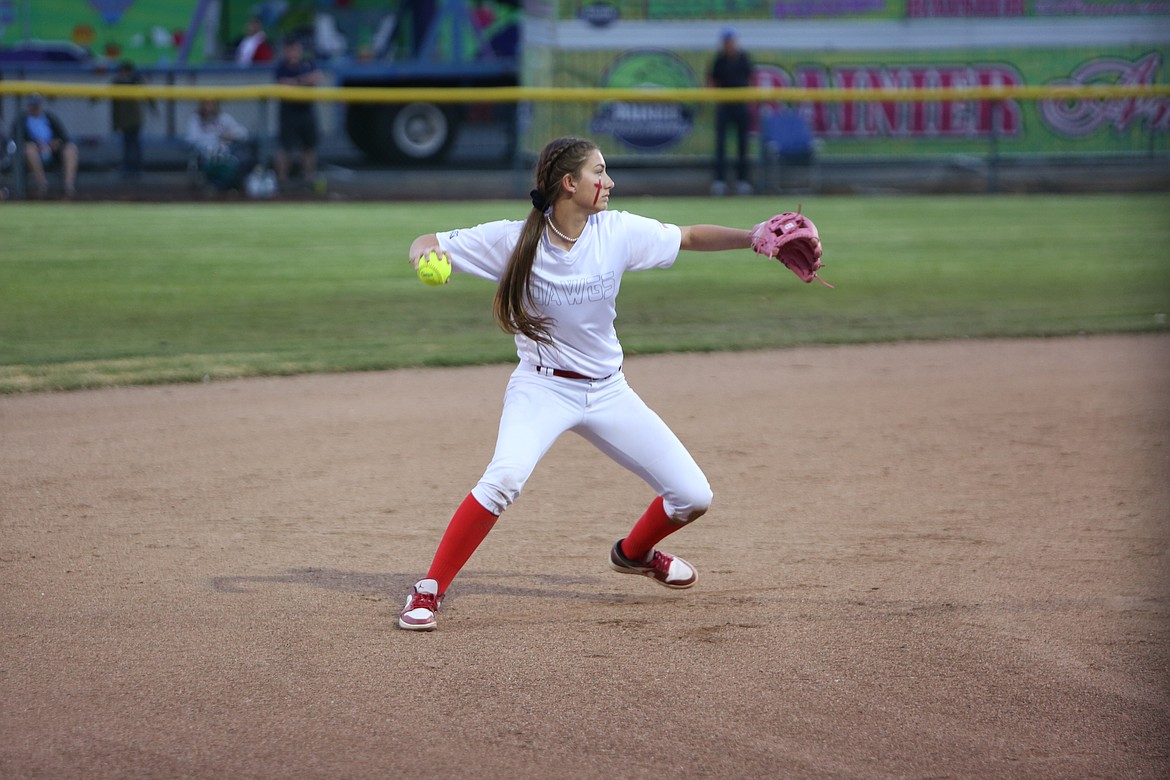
[{"x": 514, "y": 306}]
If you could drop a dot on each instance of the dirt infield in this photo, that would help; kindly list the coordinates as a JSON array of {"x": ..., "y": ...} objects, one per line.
[{"x": 923, "y": 560}]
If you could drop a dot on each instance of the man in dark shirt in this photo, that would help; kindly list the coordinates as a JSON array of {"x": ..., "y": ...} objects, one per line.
[
  {"x": 732, "y": 68},
  {"x": 128, "y": 117},
  {"x": 298, "y": 118}
]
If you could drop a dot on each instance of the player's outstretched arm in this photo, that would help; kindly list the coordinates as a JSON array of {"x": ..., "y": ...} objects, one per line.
[{"x": 714, "y": 238}]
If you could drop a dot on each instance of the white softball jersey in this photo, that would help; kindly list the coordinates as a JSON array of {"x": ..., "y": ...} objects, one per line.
[{"x": 577, "y": 288}]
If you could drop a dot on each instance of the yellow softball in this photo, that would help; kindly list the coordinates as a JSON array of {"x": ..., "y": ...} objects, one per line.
[{"x": 434, "y": 269}]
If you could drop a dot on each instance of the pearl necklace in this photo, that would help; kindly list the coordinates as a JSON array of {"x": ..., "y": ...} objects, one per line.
[{"x": 548, "y": 219}]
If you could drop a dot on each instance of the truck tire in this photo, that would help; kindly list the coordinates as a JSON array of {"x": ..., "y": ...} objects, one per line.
[
  {"x": 419, "y": 132},
  {"x": 410, "y": 134}
]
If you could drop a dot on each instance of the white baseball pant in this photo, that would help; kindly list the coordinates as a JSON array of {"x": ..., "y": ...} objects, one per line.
[{"x": 607, "y": 412}]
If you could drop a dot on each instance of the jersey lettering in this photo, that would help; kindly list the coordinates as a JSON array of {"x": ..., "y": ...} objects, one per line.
[
  {"x": 600, "y": 287},
  {"x": 575, "y": 291},
  {"x": 545, "y": 295}
]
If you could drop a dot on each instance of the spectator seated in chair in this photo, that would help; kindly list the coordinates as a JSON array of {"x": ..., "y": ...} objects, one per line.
[
  {"x": 46, "y": 145},
  {"x": 221, "y": 147}
]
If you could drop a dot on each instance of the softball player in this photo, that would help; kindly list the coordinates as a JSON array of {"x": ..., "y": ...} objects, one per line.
[{"x": 559, "y": 274}]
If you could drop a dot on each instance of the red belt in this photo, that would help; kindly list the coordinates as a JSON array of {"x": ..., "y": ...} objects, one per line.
[{"x": 563, "y": 374}]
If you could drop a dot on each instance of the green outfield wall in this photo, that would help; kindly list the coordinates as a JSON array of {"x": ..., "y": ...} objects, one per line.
[
  {"x": 857, "y": 46},
  {"x": 861, "y": 127}
]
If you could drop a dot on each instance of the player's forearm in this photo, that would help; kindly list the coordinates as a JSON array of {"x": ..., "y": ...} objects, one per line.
[{"x": 714, "y": 238}]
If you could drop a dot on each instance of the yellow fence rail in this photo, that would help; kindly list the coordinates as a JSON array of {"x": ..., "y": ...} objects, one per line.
[{"x": 585, "y": 95}]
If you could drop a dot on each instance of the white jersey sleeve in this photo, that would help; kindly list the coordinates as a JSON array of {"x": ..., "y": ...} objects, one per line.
[
  {"x": 482, "y": 250},
  {"x": 649, "y": 243}
]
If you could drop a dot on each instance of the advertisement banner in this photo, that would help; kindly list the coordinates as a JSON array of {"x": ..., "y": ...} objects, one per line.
[{"x": 911, "y": 128}]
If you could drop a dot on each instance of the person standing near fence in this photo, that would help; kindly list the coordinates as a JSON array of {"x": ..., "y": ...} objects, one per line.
[
  {"x": 127, "y": 116},
  {"x": 298, "y": 118},
  {"x": 732, "y": 67}
]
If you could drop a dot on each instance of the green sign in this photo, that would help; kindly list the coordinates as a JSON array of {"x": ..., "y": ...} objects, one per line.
[{"x": 880, "y": 127}]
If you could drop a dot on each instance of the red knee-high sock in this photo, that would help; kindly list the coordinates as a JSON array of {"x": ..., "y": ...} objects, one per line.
[
  {"x": 654, "y": 526},
  {"x": 468, "y": 527}
]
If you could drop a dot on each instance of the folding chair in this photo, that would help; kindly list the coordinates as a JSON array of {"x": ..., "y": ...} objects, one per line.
[{"x": 789, "y": 150}]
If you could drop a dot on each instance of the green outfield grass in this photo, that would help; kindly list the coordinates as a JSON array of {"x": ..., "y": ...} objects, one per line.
[{"x": 101, "y": 294}]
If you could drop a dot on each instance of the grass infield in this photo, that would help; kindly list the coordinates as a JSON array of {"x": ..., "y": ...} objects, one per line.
[{"x": 108, "y": 294}]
